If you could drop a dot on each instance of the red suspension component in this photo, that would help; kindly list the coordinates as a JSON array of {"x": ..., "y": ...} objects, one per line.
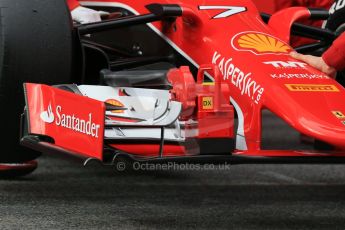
[
  {"x": 184, "y": 90},
  {"x": 213, "y": 112}
]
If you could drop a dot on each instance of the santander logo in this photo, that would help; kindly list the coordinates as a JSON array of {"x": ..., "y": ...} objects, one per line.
[
  {"x": 48, "y": 116},
  {"x": 70, "y": 121}
]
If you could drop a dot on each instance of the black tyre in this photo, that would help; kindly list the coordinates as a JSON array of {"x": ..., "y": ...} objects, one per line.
[
  {"x": 336, "y": 21},
  {"x": 36, "y": 45}
]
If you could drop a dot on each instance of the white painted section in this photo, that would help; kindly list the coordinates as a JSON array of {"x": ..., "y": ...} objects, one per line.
[
  {"x": 152, "y": 106},
  {"x": 170, "y": 134},
  {"x": 229, "y": 10},
  {"x": 241, "y": 143}
]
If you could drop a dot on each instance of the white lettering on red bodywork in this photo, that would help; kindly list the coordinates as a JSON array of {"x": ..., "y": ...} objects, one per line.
[{"x": 241, "y": 80}]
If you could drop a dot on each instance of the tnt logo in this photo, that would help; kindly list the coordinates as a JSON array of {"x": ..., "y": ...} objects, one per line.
[
  {"x": 288, "y": 64},
  {"x": 207, "y": 103}
]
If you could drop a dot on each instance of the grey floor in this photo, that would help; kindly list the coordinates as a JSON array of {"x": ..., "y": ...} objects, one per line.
[{"x": 62, "y": 194}]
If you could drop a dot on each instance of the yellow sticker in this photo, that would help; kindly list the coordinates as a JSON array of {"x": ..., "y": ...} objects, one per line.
[
  {"x": 208, "y": 83},
  {"x": 338, "y": 114},
  {"x": 207, "y": 103},
  {"x": 312, "y": 88}
]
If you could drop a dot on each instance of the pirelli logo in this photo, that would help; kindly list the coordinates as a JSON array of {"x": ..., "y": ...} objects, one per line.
[{"x": 312, "y": 88}]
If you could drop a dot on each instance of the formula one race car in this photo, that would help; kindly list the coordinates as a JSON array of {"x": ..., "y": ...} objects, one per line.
[{"x": 165, "y": 81}]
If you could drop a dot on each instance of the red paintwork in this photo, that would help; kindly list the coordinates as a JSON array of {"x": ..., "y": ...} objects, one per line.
[
  {"x": 288, "y": 16},
  {"x": 290, "y": 153},
  {"x": 184, "y": 89},
  {"x": 18, "y": 166},
  {"x": 213, "y": 112},
  {"x": 151, "y": 150},
  {"x": 215, "y": 115},
  {"x": 123, "y": 119},
  {"x": 210, "y": 41},
  {"x": 40, "y": 97}
]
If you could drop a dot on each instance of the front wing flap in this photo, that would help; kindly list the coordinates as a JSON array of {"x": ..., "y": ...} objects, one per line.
[{"x": 74, "y": 122}]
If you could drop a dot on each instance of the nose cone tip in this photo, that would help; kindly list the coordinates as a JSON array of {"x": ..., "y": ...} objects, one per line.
[{"x": 324, "y": 130}]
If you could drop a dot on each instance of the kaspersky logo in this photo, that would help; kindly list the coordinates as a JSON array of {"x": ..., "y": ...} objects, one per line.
[
  {"x": 70, "y": 121},
  {"x": 259, "y": 43}
]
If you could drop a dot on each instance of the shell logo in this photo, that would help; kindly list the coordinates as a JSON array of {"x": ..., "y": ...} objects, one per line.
[
  {"x": 259, "y": 43},
  {"x": 115, "y": 103}
]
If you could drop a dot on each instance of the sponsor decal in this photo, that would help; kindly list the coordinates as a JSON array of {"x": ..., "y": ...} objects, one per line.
[
  {"x": 48, "y": 116},
  {"x": 115, "y": 103},
  {"x": 343, "y": 122},
  {"x": 287, "y": 64},
  {"x": 227, "y": 10},
  {"x": 259, "y": 43},
  {"x": 338, "y": 114},
  {"x": 70, "y": 121},
  {"x": 299, "y": 76},
  {"x": 241, "y": 80},
  {"x": 312, "y": 88},
  {"x": 208, "y": 83},
  {"x": 207, "y": 103}
]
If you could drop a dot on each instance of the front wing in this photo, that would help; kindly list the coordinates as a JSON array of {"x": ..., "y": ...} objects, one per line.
[{"x": 63, "y": 122}]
